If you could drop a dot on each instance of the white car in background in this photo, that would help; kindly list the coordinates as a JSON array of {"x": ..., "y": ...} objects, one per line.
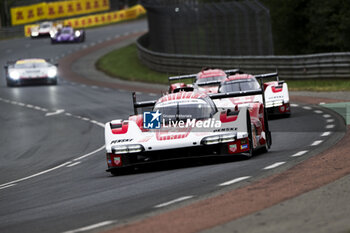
[
  {"x": 44, "y": 29},
  {"x": 33, "y": 70}
]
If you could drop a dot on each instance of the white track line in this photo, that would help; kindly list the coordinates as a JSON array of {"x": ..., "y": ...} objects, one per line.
[
  {"x": 88, "y": 154},
  {"x": 330, "y": 126},
  {"x": 73, "y": 164},
  {"x": 330, "y": 120},
  {"x": 307, "y": 108},
  {"x": 300, "y": 153},
  {"x": 7, "y": 186},
  {"x": 54, "y": 168},
  {"x": 326, "y": 116},
  {"x": 324, "y": 134},
  {"x": 59, "y": 111},
  {"x": 234, "y": 181},
  {"x": 317, "y": 142},
  {"x": 91, "y": 227},
  {"x": 173, "y": 201},
  {"x": 35, "y": 175},
  {"x": 318, "y": 111},
  {"x": 274, "y": 165},
  {"x": 294, "y": 105}
]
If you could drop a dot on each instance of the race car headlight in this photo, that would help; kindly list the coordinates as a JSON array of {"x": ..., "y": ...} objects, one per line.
[
  {"x": 224, "y": 138},
  {"x": 14, "y": 75},
  {"x": 77, "y": 33},
  {"x": 227, "y": 138},
  {"x": 211, "y": 140},
  {"x": 51, "y": 73},
  {"x": 34, "y": 32},
  {"x": 136, "y": 148},
  {"x": 53, "y": 34}
]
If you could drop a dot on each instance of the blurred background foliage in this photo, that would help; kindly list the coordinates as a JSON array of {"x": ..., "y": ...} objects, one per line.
[{"x": 308, "y": 26}]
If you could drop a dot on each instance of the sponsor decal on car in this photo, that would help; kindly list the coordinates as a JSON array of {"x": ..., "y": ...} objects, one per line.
[
  {"x": 232, "y": 148},
  {"x": 154, "y": 120},
  {"x": 244, "y": 147},
  {"x": 117, "y": 161},
  {"x": 225, "y": 129},
  {"x": 121, "y": 140}
]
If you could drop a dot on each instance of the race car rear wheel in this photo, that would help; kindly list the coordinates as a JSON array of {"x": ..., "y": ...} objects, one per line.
[
  {"x": 114, "y": 172},
  {"x": 249, "y": 154},
  {"x": 267, "y": 131}
]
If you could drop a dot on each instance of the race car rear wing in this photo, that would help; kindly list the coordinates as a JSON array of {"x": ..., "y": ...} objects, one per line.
[
  {"x": 142, "y": 104},
  {"x": 235, "y": 94},
  {"x": 181, "y": 77},
  {"x": 233, "y": 71},
  {"x": 214, "y": 82},
  {"x": 269, "y": 75}
]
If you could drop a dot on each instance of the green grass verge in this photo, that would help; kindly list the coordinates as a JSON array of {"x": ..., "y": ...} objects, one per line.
[
  {"x": 124, "y": 64},
  {"x": 319, "y": 85}
]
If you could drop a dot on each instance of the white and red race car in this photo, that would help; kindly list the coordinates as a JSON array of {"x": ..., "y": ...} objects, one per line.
[
  {"x": 186, "y": 124},
  {"x": 207, "y": 80},
  {"x": 214, "y": 80},
  {"x": 275, "y": 92}
]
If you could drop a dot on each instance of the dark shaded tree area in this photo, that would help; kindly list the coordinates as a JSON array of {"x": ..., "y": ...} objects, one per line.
[{"x": 310, "y": 26}]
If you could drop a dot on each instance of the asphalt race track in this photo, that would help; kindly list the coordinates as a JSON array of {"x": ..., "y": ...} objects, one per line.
[{"x": 52, "y": 160}]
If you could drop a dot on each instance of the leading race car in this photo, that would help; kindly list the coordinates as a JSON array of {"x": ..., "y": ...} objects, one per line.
[
  {"x": 68, "y": 34},
  {"x": 33, "y": 70},
  {"x": 183, "y": 125},
  {"x": 275, "y": 92}
]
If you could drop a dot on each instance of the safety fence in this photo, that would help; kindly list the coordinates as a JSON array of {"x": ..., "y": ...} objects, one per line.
[
  {"x": 98, "y": 19},
  {"x": 54, "y": 10},
  {"x": 234, "y": 27},
  {"x": 326, "y": 65}
]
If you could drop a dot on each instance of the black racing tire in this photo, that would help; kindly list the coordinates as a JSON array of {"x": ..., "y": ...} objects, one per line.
[
  {"x": 9, "y": 83},
  {"x": 54, "y": 82},
  {"x": 114, "y": 172},
  {"x": 267, "y": 130},
  {"x": 249, "y": 154}
]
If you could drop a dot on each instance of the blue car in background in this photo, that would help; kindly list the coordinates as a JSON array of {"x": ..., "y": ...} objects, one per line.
[{"x": 68, "y": 34}]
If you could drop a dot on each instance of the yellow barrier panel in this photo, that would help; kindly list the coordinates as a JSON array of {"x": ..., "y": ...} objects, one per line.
[
  {"x": 54, "y": 10},
  {"x": 98, "y": 19},
  {"x": 27, "y": 29}
]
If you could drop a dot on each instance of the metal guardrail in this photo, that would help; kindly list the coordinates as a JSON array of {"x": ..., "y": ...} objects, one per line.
[
  {"x": 325, "y": 65},
  {"x": 10, "y": 32}
]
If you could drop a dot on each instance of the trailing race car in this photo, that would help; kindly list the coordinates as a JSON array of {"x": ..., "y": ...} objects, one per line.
[
  {"x": 183, "y": 125},
  {"x": 44, "y": 29},
  {"x": 207, "y": 80},
  {"x": 68, "y": 34},
  {"x": 33, "y": 70},
  {"x": 275, "y": 93}
]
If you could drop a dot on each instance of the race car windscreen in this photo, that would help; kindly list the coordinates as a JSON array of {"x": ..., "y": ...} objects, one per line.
[
  {"x": 66, "y": 31},
  {"x": 32, "y": 65},
  {"x": 191, "y": 109},
  {"x": 45, "y": 25},
  {"x": 203, "y": 81},
  {"x": 239, "y": 85}
]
